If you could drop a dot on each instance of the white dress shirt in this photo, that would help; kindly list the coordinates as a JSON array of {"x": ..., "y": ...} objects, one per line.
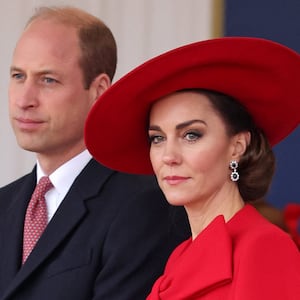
[{"x": 62, "y": 179}]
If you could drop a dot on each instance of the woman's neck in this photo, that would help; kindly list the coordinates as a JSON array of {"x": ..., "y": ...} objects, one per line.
[{"x": 200, "y": 215}]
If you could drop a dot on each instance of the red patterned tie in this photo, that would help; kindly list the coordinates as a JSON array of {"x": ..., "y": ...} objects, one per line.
[{"x": 36, "y": 216}]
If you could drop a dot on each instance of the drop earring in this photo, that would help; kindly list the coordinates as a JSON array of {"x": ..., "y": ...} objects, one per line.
[{"x": 234, "y": 176}]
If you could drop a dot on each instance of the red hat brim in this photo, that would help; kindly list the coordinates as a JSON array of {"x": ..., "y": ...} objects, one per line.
[{"x": 261, "y": 74}]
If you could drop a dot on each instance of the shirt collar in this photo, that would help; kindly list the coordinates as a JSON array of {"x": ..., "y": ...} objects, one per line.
[{"x": 63, "y": 177}]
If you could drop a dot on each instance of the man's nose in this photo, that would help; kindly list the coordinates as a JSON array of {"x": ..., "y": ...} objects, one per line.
[{"x": 26, "y": 95}]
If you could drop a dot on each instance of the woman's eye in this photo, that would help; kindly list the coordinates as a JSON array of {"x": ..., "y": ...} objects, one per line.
[
  {"x": 192, "y": 136},
  {"x": 156, "y": 139}
]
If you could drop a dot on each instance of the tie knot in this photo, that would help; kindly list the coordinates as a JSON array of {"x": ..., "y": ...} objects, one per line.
[{"x": 43, "y": 186}]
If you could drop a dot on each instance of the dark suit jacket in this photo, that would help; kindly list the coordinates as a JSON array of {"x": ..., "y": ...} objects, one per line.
[{"x": 109, "y": 239}]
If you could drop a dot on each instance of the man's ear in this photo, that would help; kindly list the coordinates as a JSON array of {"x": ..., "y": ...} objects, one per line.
[
  {"x": 99, "y": 85},
  {"x": 240, "y": 143}
]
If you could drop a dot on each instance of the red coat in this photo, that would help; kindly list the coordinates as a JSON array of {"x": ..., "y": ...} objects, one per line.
[{"x": 247, "y": 258}]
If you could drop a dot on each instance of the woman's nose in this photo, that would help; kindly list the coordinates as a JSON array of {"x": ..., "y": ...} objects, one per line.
[{"x": 171, "y": 154}]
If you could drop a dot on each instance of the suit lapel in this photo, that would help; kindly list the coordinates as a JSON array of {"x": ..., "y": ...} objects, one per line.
[
  {"x": 71, "y": 211},
  {"x": 11, "y": 226}
]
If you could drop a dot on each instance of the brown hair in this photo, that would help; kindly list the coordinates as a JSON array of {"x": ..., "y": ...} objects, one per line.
[
  {"x": 96, "y": 41},
  {"x": 257, "y": 165}
]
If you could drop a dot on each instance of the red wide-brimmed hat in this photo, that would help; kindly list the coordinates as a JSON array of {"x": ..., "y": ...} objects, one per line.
[{"x": 263, "y": 75}]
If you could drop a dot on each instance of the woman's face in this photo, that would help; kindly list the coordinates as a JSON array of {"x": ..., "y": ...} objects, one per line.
[{"x": 190, "y": 149}]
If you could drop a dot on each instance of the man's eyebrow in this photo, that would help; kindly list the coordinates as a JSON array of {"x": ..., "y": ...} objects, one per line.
[
  {"x": 41, "y": 72},
  {"x": 15, "y": 69}
]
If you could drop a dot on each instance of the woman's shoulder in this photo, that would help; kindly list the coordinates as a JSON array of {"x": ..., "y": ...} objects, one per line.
[{"x": 254, "y": 235}]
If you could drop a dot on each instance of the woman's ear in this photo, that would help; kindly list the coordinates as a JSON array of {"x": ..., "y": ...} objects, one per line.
[
  {"x": 240, "y": 144},
  {"x": 99, "y": 85}
]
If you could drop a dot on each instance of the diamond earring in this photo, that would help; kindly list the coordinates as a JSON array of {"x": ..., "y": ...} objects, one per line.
[{"x": 234, "y": 176}]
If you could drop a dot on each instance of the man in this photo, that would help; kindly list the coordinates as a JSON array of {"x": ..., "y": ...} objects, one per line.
[{"x": 108, "y": 234}]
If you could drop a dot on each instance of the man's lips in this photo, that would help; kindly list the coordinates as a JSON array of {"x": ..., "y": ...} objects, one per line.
[{"x": 28, "y": 124}]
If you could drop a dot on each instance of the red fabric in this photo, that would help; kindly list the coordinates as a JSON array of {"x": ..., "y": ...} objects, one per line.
[
  {"x": 245, "y": 259},
  {"x": 36, "y": 216},
  {"x": 261, "y": 74},
  {"x": 292, "y": 220}
]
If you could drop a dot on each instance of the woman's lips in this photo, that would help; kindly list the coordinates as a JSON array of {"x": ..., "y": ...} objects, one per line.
[{"x": 173, "y": 180}]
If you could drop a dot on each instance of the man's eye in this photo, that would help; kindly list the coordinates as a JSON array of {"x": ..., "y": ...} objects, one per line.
[
  {"x": 17, "y": 76},
  {"x": 49, "y": 80}
]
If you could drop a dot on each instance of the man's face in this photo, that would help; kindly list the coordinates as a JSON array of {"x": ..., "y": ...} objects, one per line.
[{"x": 48, "y": 104}]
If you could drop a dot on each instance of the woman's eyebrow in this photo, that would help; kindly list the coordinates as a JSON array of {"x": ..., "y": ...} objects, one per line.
[
  {"x": 188, "y": 123},
  {"x": 179, "y": 126}
]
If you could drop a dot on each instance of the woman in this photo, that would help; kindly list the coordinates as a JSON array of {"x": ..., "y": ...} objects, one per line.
[{"x": 208, "y": 114}]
